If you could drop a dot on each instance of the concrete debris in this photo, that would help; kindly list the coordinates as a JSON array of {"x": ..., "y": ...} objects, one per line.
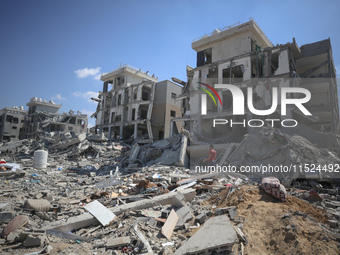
[
  {"x": 5, "y": 217},
  {"x": 142, "y": 238},
  {"x": 240, "y": 234},
  {"x": 184, "y": 215},
  {"x": 102, "y": 214},
  {"x": 34, "y": 241},
  {"x": 135, "y": 206},
  {"x": 216, "y": 235},
  {"x": 167, "y": 199},
  {"x": 117, "y": 242},
  {"x": 64, "y": 235},
  {"x": 170, "y": 224}
]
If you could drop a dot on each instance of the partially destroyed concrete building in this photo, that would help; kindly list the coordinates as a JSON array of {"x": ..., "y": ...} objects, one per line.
[
  {"x": 242, "y": 55},
  {"x": 12, "y": 123},
  {"x": 134, "y": 104},
  {"x": 44, "y": 116}
]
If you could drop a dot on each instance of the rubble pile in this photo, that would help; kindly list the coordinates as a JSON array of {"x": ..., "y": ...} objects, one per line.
[
  {"x": 101, "y": 197},
  {"x": 273, "y": 227},
  {"x": 268, "y": 146}
]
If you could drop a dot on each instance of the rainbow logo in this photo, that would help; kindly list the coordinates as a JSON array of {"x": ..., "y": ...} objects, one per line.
[{"x": 209, "y": 93}]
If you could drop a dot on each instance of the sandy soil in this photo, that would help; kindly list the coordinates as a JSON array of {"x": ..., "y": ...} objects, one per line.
[{"x": 270, "y": 232}]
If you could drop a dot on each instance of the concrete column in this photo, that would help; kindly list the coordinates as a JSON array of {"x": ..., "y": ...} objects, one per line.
[
  {"x": 220, "y": 74},
  {"x": 199, "y": 119},
  {"x": 121, "y": 131},
  {"x": 135, "y": 132},
  {"x": 219, "y": 106},
  {"x": 109, "y": 131}
]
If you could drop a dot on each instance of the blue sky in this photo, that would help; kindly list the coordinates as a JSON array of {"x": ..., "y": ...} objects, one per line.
[{"x": 56, "y": 49}]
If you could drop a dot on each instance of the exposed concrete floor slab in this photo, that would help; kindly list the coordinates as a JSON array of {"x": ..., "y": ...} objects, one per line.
[{"x": 216, "y": 233}]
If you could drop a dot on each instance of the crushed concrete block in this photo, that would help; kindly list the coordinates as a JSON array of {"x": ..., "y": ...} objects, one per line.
[
  {"x": 134, "y": 151},
  {"x": 216, "y": 233},
  {"x": 332, "y": 191},
  {"x": 184, "y": 215},
  {"x": 152, "y": 222},
  {"x": 117, "y": 242},
  {"x": 178, "y": 200},
  {"x": 221, "y": 211},
  {"x": 332, "y": 223},
  {"x": 39, "y": 205},
  {"x": 49, "y": 249},
  {"x": 34, "y": 241},
  {"x": 6, "y": 217},
  {"x": 38, "y": 195},
  {"x": 13, "y": 236},
  {"x": 69, "y": 236},
  {"x": 335, "y": 214},
  {"x": 201, "y": 218},
  {"x": 166, "y": 212},
  {"x": 232, "y": 212},
  {"x": 3, "y": 206},
  {"x": 182, "y": 237}
]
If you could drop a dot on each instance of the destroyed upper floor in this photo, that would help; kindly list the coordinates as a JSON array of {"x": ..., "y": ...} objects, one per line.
[
  {"x": 124, "y": 76},
  {"x": 41, "y": 117},
  {"x": 243, "y": 55},
  {"x": 134, "y": 104}
]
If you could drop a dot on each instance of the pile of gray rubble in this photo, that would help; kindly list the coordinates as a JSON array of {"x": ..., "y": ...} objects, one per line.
[{"x": 102, "y": 197}]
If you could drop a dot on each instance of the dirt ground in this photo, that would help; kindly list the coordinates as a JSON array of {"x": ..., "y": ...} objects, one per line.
[{"x": 275, "y": 227}]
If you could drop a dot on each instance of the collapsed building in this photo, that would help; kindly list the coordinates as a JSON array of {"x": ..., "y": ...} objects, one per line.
[
  {"x": 134, "y": 104},
  {"x": 44, "y": 116},
  {"x": 41, "y": 118},
  {"x": 242, "y": 55},
  {"x": 12, "y": 123}
]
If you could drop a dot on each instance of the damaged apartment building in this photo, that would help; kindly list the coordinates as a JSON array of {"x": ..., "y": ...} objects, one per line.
[
  {"x": 242, "y": 55},
  {"x": 12, "y": 123},
  {"x": 42, "y": 117},
  {"x": 133, "y": 104}
]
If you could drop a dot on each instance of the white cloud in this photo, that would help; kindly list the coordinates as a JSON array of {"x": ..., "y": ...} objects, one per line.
[
  {"x": 58, "y": 97},
  {"x": 88, "y": 112},
  {"x": 337, "y": 69},
  {"x": 83, "y": 73},
  {"x": 86, "y": 95},
  {"x": 97, "y": 77}
]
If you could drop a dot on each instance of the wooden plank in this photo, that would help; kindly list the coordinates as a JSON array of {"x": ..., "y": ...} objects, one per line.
[
  {"x": 170, "y": 224},
  {"x": 102, "y": 214}
]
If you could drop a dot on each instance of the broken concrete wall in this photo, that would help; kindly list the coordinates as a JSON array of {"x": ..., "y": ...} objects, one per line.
[
  {"x": 319, "y": 139},
  {"x": 12, "y": 123},
  {"x": 269, "y": 147}
]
